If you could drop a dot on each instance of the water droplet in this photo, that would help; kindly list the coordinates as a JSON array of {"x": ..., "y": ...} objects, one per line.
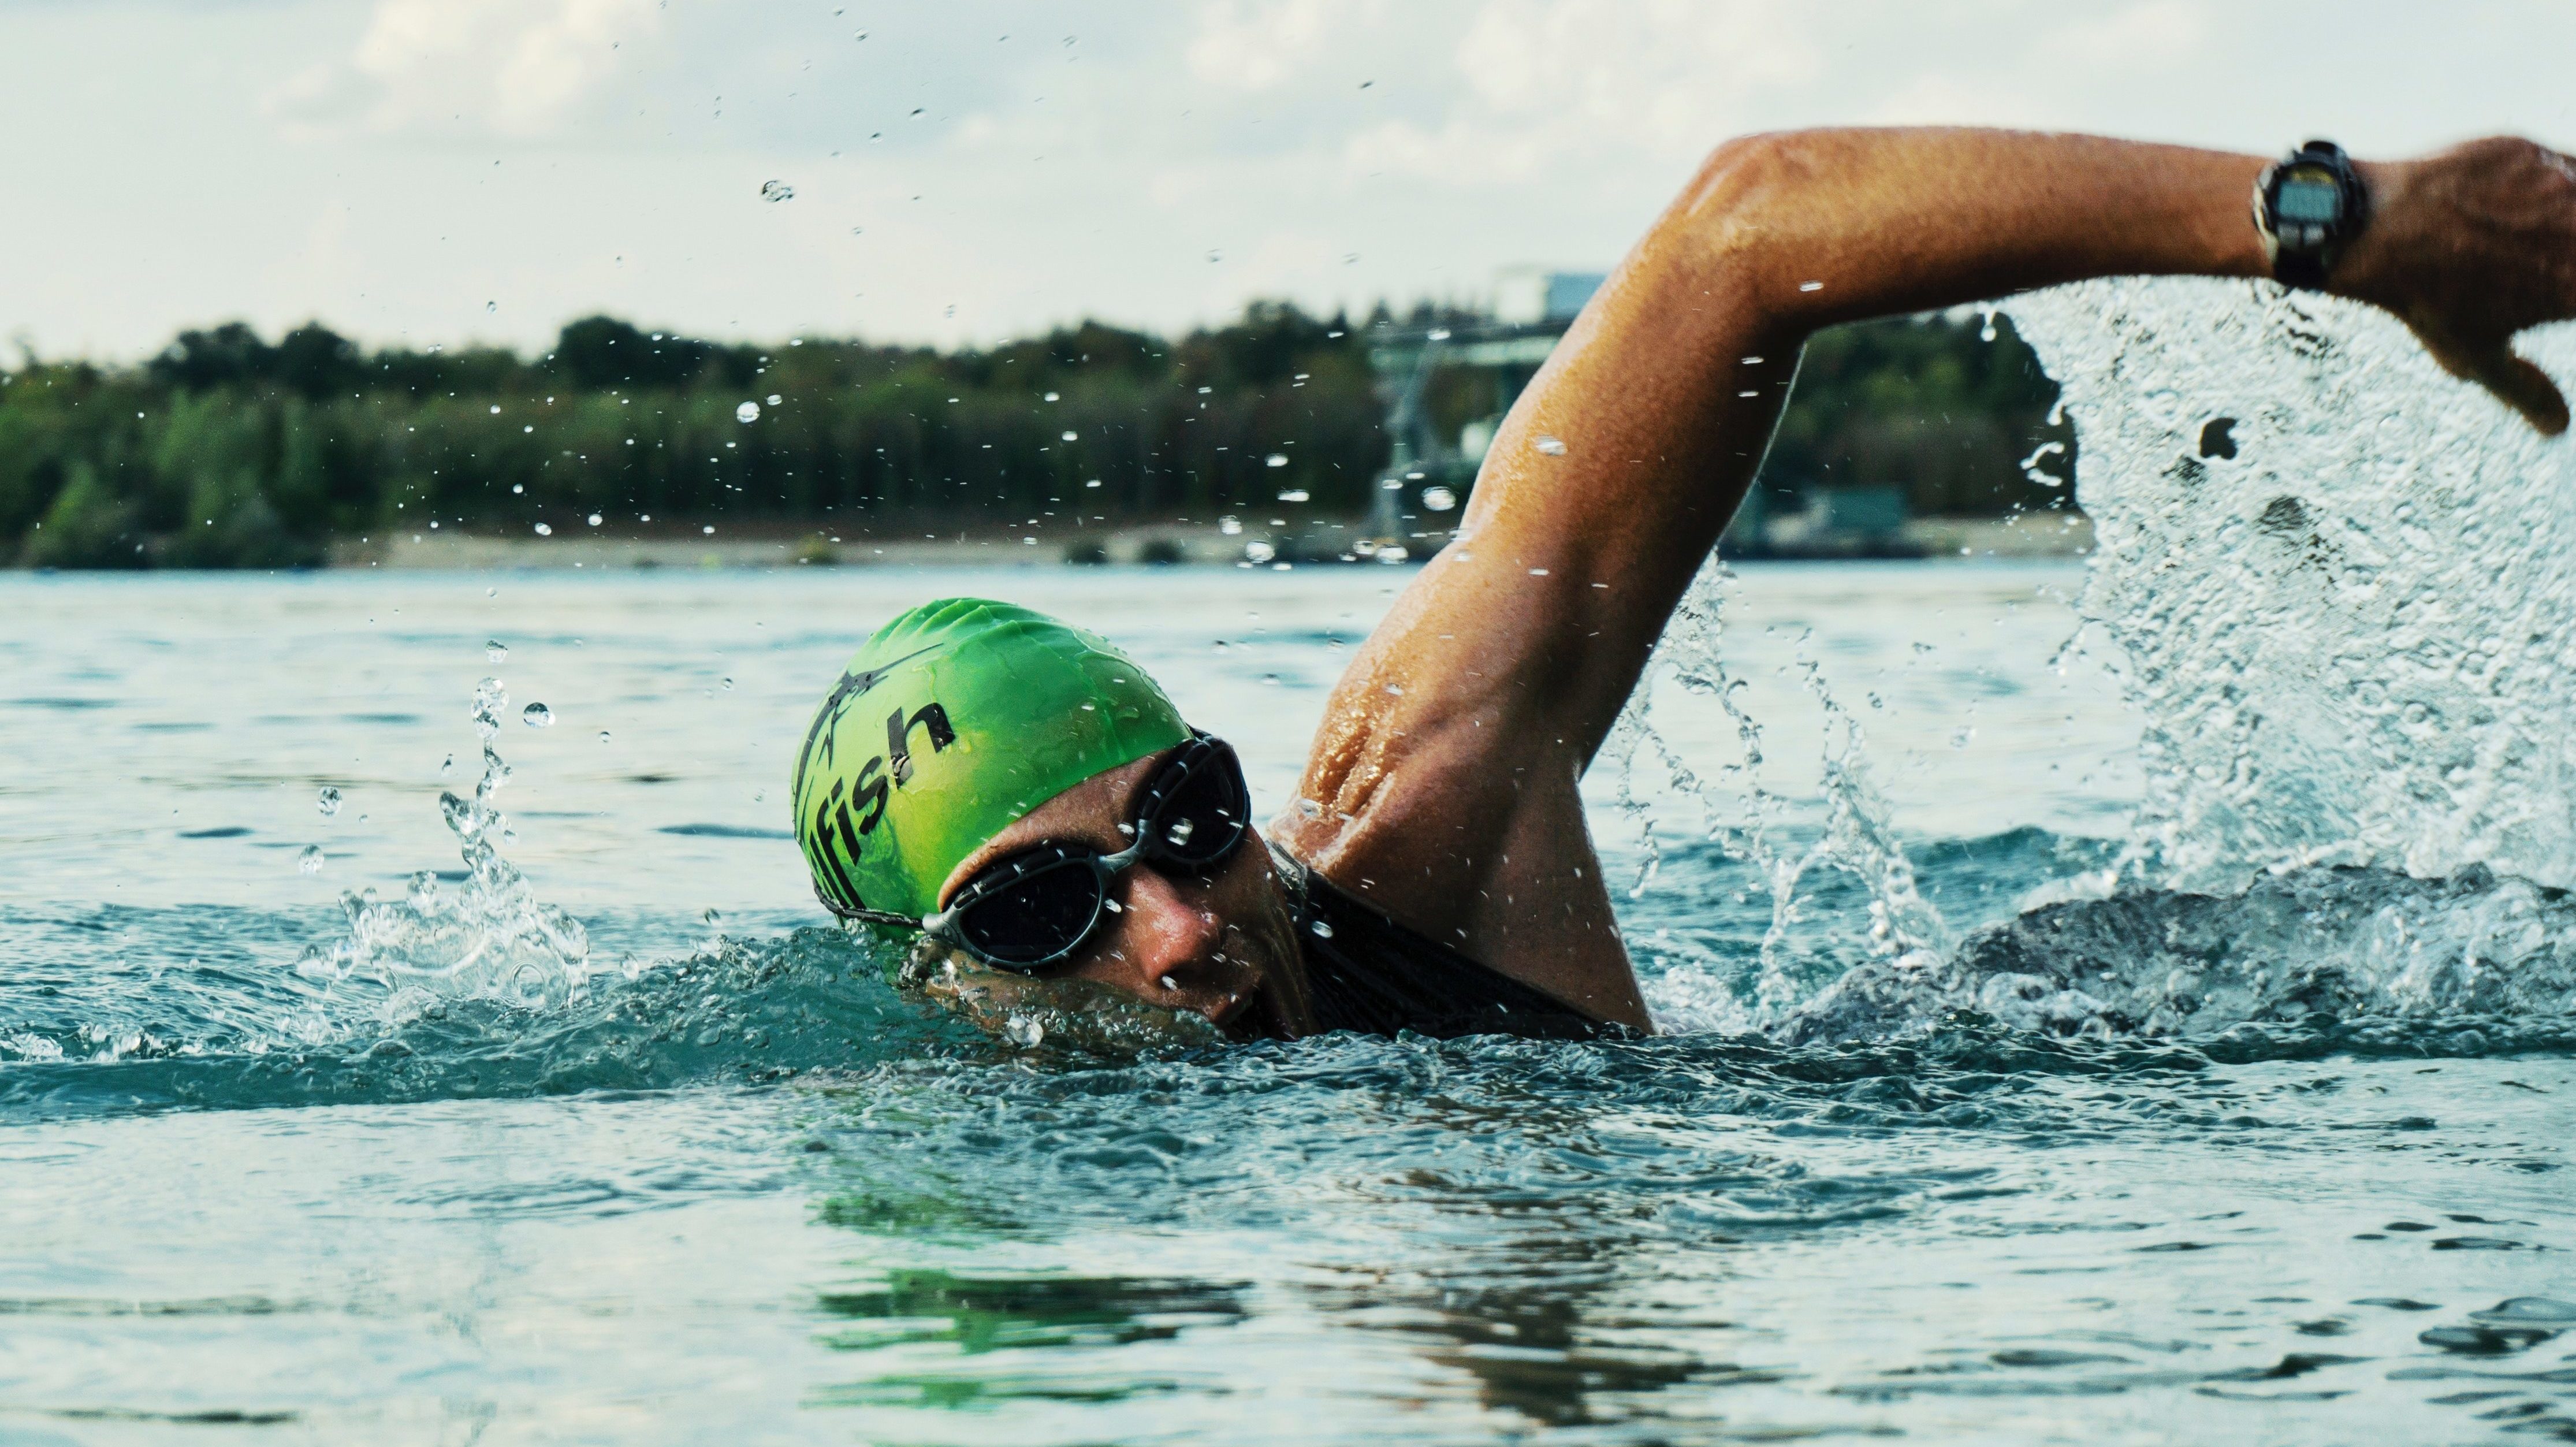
[
  {"x": 537, "y": 716},
  {"x": 712, "y": 915},
  {"x": 496, "y": 409},
  {"x": 1550, "y": 445},
  {"x": 1259, "y": 551},
  {"x": 747, "y": 412},
  {"x": 1171, "y": 984},
  {"x": 495, "y": 650},
  {"x": 1811, "y": 286},
  {"x": 603, "y": 736},
  {"x": 1294, "y": 494},
  {"x": 1436, "y": 334},
  {"x": 309, "y": 861},
  {"x": 1179, "y": 833},
  {"x": 1069, "y": 437},
  {"x": 1276, "y": 459},
  {"x": 773, "y": 399},
  {"x": 328, "y": 801},
  {"x": 1215, "y": 256},
  {"x": 544, "y": 531},
  {"x": 491, "y": 306},
  {"x": 594, "y": 519},
  {"x": 1230, "y": 526},
  {"x": 728, "y": 683},
  {"x": 776, "y": 191},
  {"x": 1438, "y": 499},
  {"x": 1051, "y": 396},
  {"x": 1025, "y": 1031},
  {"x": 1322, "y": 930},
  {"x": 1310, "y": 808}
]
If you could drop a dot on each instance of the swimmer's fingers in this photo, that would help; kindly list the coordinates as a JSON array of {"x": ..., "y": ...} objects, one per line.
[
  {"x": 2526, "y": 389},
  {"x": 2470, "y": 247},
  {"x": 2498, "y": 368}
]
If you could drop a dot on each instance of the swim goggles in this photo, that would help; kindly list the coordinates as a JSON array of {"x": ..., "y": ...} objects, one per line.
[{"x": 1040, "y": 906}]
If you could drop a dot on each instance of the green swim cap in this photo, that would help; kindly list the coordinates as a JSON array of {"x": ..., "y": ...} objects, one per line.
[{"x": 954, "y": 720}]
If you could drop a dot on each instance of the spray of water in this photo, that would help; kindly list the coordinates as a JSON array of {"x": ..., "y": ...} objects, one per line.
[
  {"x": 2338, "y": 588},
  {"x": 2339, "y": 582},
  {"x": 1742, "y": 817},
  {"x": 490, "y": 936}
]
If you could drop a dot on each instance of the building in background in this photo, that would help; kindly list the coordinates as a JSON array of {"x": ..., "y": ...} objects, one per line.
[{"x": 1446, "y": 385}]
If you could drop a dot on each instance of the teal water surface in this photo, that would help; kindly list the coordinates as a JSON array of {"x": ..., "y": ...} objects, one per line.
[{"x": 1964, "y": 1129}]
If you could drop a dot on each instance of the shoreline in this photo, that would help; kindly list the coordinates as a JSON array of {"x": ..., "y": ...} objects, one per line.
[{"x": 2032, "y": 536}]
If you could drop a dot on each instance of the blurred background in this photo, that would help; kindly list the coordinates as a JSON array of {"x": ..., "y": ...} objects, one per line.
[{"x": 633, "y": 282}]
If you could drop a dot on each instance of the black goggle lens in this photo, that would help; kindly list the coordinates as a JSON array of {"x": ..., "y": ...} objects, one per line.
[
  {"x": 1195, "y": 821},
  {"x": 1035, "y": 908},
  {"x": 1035, "y": 918}
]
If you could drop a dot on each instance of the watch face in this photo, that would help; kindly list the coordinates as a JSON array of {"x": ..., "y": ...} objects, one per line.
[{"x": 2308, "y": 196}]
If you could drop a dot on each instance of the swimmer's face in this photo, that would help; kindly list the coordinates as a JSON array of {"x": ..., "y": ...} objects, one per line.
[{"x": 1223, "y": 946}]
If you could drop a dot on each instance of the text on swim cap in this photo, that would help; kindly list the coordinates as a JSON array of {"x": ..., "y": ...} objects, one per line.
[{"x": 853, "y": 812}]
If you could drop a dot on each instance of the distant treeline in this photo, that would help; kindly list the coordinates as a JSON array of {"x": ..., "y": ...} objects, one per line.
[
  {"x": 227, "y": 450},
  {"x": 1952, "y": 411}
]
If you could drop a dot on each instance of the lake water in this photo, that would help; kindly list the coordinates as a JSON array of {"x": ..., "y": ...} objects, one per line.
[{"x": 2119, "y": 1004}]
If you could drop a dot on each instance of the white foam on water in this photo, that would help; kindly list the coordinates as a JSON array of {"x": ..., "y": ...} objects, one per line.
[
  {"x": 2350, "y": 641},
  {"x": 2338, "y": 588},
  {"x": 490, "y": 936}
]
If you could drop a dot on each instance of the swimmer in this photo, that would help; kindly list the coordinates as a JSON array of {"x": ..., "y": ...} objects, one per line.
[{"x": 1027, "y": 801}]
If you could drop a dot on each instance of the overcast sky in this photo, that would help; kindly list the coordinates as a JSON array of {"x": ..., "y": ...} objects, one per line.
[{"x": 450, "y": 170}]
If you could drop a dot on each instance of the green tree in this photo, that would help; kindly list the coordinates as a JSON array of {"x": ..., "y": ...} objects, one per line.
[{"x": 88, "y": 526}]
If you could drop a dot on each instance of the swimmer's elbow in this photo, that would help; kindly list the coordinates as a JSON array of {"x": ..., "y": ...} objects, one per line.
[{"x": 1747, "y": 202}]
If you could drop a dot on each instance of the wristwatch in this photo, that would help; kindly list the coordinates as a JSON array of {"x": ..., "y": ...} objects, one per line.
[{"x": 2308, "y": 207}]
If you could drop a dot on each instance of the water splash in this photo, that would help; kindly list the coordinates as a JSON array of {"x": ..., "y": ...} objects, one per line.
[
  {"x": 2344, "y": 946},
  {"x": 1742, "y": 817},
  {"x": 2338, "y": 589},
  {"x": 491, "y": 936},
  {"x": 2340, "y": 583}
]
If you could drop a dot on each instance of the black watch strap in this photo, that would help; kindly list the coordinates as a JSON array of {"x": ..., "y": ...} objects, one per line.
[{"x": 2309, "y": 206}]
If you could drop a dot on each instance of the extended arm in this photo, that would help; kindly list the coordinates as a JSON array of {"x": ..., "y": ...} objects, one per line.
[{"x": 1443, "y": 777}]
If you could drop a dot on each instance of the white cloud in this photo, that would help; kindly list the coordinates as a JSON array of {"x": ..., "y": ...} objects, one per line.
[
  {"x": 1944, "y": 99},
  {"x": 512, "y": 68},
  {"x": 2151, "y": 32},
  {"x": 1650, "y": 63},
  {"x": 1257, "y": 46},
  {"x": 1046, "y": 159}
]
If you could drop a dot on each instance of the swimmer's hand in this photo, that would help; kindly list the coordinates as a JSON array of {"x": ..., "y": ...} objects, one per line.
[{"x": 2468, "y": 247}]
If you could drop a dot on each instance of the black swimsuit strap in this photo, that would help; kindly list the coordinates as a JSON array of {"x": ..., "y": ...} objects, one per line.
[{"x": 1369, "y": 974}]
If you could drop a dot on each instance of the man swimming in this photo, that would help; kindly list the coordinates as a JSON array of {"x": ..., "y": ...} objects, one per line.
[{"x": 1026, "y": 797}]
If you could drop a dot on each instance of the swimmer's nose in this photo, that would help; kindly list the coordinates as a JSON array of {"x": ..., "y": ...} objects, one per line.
[{"x": 1172, "y": 943}]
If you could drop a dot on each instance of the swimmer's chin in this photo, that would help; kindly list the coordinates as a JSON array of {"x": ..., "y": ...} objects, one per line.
[{"x": 1256, "y": 1015}]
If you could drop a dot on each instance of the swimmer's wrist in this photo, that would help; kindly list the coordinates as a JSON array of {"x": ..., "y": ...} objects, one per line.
[{"x": 2371, "y": 267}]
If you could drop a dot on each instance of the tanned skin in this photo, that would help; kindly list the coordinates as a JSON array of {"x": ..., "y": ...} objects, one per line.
[{"x": 1445, "y": 769}]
